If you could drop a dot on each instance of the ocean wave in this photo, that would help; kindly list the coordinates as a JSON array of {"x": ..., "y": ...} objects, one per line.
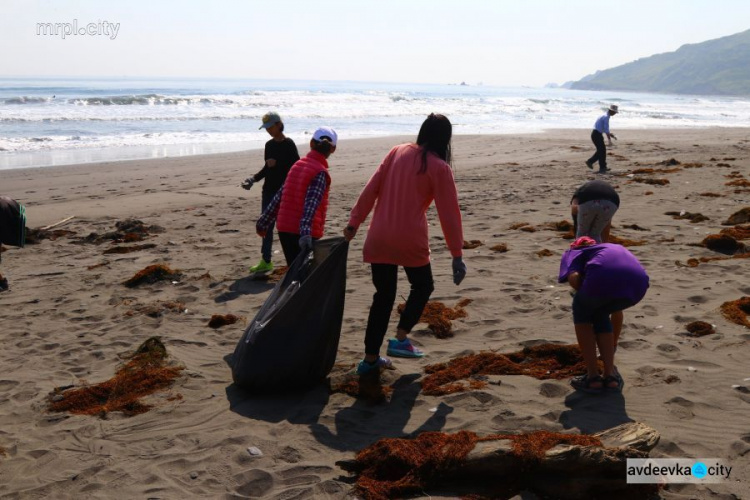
[
  {"x": 9, "y": 145},
  {"x": 119, "y": 116},
  {"x": 150, "y": 100},
  {"x": 26, "y": 100},
  {"x": 62, "y": 119}
]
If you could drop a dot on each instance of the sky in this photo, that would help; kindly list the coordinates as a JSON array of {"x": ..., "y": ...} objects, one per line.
[{"x": 495, "y": 42}]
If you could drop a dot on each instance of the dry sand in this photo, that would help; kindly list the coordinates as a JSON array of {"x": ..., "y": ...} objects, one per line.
[{"x": 63, "y": 323}]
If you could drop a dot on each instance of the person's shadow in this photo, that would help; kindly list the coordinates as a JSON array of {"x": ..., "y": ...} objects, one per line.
[
  {"x": 356, "y": 427},
  {"x": 363, "y": 423},
  {"x": 592, "y": 413},
  {"x": 244, "y": 286}
]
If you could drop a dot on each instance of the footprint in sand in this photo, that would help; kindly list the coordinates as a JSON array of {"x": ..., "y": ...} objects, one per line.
[
  {"x": 649, "y": 310},
  {"x": 492, "y": 334},
  {"x": 681, "y": 408},
  {"x": 289, "y": 455},
  {"x": 7, "y": 385},
  {"x": 740, "y": 448},
  {"x": 698, "y": 299},
  {"x": 303, "y": 474},
  {"x": 669, "y": 350},
  {"x": 253, "y": 483},
  {"x": 634, "y": 345},
  {"x": 553, "y": 390}
]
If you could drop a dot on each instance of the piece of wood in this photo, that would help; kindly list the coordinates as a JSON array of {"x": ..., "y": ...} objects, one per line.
[
  {"x": 60, "y": 223},
  {"x": 568, "y": 471},
  {"x": 563, "y": 472}
]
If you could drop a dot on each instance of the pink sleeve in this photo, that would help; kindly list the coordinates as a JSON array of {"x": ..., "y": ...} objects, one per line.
[
  {"x": 446, "y": 202},
  {"x": 369, "y": 194}
]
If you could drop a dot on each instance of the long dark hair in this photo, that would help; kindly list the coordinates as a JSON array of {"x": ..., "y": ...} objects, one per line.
[{"x": 435, "y": 136}]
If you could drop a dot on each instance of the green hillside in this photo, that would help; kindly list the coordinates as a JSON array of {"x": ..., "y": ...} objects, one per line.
[{"x": 715, "y": 67}]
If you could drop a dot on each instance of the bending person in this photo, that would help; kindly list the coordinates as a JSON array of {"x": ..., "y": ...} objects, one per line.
[
  {"x": 607, "y": 278},
  {"x": 299, "y": 208},
  {"x": 12, "y": 228},
  {"x": 592, "y": 207},
  {"x": 401, "y": 190}
]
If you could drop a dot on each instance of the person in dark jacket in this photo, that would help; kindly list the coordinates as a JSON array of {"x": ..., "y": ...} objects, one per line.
[
  {"x": 280, "y": 154},
  {"x": 12, "y": 228},
  {"x": 592, "y": 206}
]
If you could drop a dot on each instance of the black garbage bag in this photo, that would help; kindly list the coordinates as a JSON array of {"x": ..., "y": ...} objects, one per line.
[
  {"x": 12, "y": 222},
  {"x": 292, "y": 341}
]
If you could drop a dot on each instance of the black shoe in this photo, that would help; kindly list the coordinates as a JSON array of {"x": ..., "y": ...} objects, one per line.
[
  {"x": 603, "y": 170},
  {"x": 3, "y": 284},
  {"x": 590, "y": 165}
]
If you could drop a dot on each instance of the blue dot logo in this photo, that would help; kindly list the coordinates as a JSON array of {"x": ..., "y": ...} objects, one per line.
[{"x": 699, "y": 470}]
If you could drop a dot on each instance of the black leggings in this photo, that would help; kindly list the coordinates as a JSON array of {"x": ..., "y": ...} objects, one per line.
[
  {"x": 601, "y": 150},
  {"x": 385, "y": 278},
  {"x": 290, "y": 246}
]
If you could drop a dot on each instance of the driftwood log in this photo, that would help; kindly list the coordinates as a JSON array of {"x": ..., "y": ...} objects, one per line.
[
  {"x": 567, "y": 471},
  {"x": 564, "y": 472}
]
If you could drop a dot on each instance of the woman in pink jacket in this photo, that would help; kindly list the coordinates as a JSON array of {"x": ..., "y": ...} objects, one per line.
[{"x": 401, "y": 190}]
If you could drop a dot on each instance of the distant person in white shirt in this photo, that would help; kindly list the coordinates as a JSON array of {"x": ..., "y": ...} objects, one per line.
[{"x": 601, "y": 127}]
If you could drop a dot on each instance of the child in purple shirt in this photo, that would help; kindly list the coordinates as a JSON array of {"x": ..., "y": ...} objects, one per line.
[{"x": 607, "y": 278}]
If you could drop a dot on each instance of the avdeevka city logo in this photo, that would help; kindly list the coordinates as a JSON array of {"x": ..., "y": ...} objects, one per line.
[
  {"x": 699, "y": 470},
  {"x": 677, "y": 470}
]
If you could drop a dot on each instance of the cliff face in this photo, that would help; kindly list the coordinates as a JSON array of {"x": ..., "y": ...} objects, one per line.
[{"x": 714, "y": 67}]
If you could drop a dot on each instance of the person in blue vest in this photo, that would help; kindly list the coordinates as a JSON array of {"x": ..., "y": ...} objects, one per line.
[
  {"x": 299, "y": 208},
  {"x": 601, "y": 128}
]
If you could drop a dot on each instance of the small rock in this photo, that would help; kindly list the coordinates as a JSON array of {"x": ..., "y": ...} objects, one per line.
[
  {"x": 57, "y": 397},
  {"x": 193, "y": 475},
  {"x": 691, "y": 369},
  {"x": 255, "y": 451}
]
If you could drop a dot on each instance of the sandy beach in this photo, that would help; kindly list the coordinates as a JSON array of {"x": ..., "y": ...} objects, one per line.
[{"x": 68, "y": 319}]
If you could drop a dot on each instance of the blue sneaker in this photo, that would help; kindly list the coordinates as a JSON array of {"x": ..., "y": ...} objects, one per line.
[
  {"x": 403, "y": 349},
  {"x": 363, "y": 368}
]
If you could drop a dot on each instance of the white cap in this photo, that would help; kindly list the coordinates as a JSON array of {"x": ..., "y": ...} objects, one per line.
[{"x": 326, "y": 132}]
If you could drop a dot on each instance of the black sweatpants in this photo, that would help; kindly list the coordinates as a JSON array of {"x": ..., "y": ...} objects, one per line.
[
  {"x": 601, "y": 150},
  {"x": 385, "y": 279}
]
